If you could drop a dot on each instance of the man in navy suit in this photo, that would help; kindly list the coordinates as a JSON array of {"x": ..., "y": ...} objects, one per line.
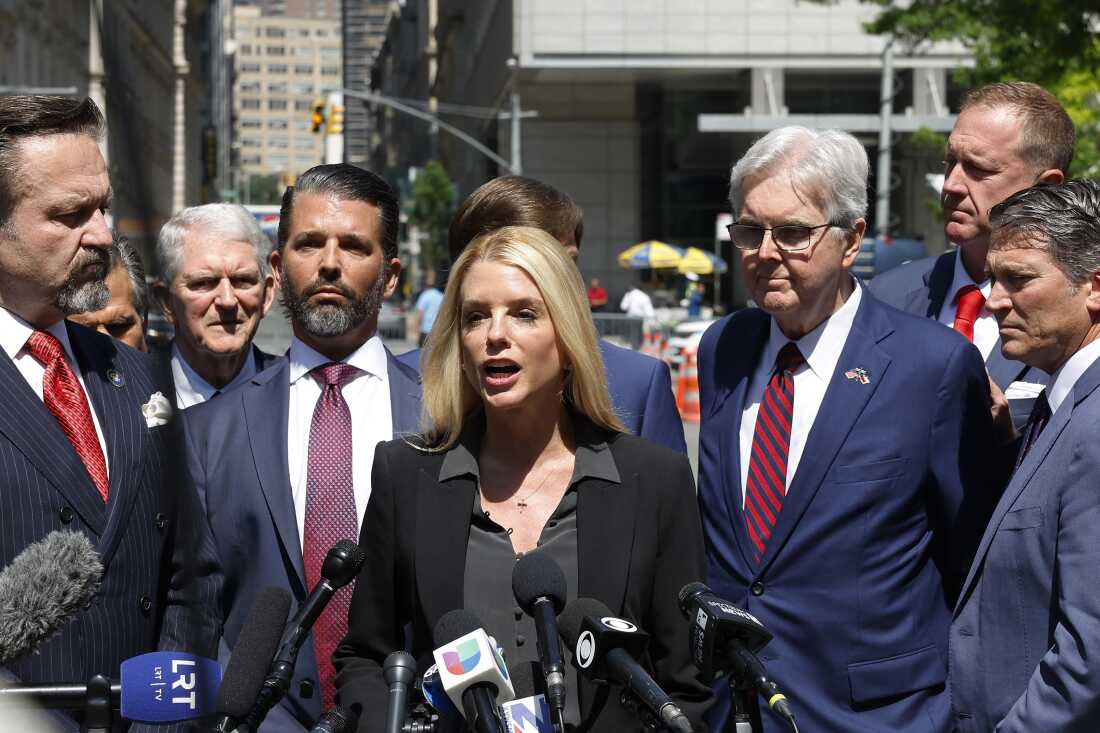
[
  {"x": 86, "y": 437},
  {"x": 1008, "y": 136},
  {"x": 840, "y": 449},
  {"x": 284, "y": 461},
  {"x": 640, "y": 386},
  {"x": 1026, "y": 630}
]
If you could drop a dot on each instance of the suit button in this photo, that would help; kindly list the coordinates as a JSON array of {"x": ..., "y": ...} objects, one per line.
[
  {"x": 160, "y": 520},
  {"x": 67, "y": 514},
  {"x": 518, "y": 613},
  {"x": 520, "y": 639},
  {"x": 145, "y": 604},
  {"x": 305, "y": 689},
  {"x": 757, "y": 588}
]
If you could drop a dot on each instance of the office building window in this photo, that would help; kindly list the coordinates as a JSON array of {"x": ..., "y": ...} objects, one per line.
[
  {"x": 276, "y": 104},
  {"x": 275, "y": 32},
  {"x": 330, "y": 71},
  {"x": 250, "y": 104},
  {"x": 276, "y": 50},
  {"x": 303, "y": 68},
  {"x": 250, "y": 68},
  {"x": 276, "y": 68}
]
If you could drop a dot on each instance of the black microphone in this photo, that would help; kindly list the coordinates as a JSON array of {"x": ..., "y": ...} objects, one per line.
[
  {"x": 399, "y": 672},
  {"x": 337, "y": 720},
  {"x": 539, "y": 587},
  {"x": 477, "y": 691},
  {"x": 606, "y": 648},
  {"x": 256, "y": 645},
  {"x": 46, "y": 584},
  {"x": 341, "y": 565},
  {"x": 724, "y": 638}
]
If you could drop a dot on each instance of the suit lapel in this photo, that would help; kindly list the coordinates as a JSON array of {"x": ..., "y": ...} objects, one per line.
[
  {"x": 443, "y": 514},
  {"x": 845, "y": 399},
  {"x": 605, "y": 538},
  {"x": 938, "y": 281},
  {"x": 404, "y": 396},
  {"x": 266, "y": 403}
]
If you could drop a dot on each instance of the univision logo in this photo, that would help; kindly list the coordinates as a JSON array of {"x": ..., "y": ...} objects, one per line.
[{"x": 464, "y": 658}]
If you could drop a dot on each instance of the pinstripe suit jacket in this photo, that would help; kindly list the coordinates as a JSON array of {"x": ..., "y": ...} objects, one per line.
[{"x": 143, "y": 533}]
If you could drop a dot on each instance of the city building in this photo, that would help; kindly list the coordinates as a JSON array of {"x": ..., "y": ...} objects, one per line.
[
  {"x": 364, "y": 27},
  {"x": 283, "y": 65},
  {"x": 316, "y": 9}
]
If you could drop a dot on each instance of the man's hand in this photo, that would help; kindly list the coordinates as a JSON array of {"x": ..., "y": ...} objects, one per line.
[{"x": 1003, "y": 429}]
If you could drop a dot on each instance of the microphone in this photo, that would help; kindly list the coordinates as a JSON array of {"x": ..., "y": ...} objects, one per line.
[
  {"x": 529, "y": 713},
  {"x": 539, "y": 587},
  {"x": 606, "y": 648},
  {"x": 431, "y": 687},
  {"x": 724, "y": 638},
  {"x": 472, "y": 670},
  {"x": 256, "y": 645},
  {"x": 341, "y": 565},
  {"x": 337, "y": 720},
  {"x": 45, "y": 585},
  {"x": 399, "y": 671}
]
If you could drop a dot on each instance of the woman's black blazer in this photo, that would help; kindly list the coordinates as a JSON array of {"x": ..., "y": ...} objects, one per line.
[{"x": 639, "y": 542}]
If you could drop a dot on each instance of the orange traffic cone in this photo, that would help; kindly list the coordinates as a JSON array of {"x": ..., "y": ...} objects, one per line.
[
  {"x": 687, "y": 389},
  {"x": 650, "y": 345}
]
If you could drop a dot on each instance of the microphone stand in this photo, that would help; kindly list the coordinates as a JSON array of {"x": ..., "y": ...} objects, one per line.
[
  {"x": 744, "y": 707},
  {"x": 98, "y": 698}
]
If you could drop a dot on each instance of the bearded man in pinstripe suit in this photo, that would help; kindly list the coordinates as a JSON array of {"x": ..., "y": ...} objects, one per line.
[{"x": 86, "y": 444}]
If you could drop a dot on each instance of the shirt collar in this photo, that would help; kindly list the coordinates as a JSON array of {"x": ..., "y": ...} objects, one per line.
[
  {"x": 962, "y": 278},
  {"x": 1062, "y": 381},
  {"x": 193, "y": 389},
  {"x": 820, "y": 347},
  {"x": 593, "y": 457},
  {"x": 369, "y": 357},
  {"x": 14, "y": 333}
]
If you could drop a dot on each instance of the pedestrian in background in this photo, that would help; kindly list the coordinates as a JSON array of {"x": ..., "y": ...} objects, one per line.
[{"x": 427, "y": 306}]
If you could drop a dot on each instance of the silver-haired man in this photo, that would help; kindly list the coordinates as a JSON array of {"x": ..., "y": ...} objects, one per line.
[{"x": 216, "y": 289}]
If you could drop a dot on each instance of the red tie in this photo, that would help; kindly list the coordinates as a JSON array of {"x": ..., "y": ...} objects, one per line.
[
  {"x": 968, "y": 304},
  {"x": 63, "y": 395},
  {"x": 767, "y": 480}
]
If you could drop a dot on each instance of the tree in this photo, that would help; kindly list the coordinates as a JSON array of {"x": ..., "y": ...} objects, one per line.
[
  {"x": 433, "y": 198},
  {"x": 263, "y": 189}
]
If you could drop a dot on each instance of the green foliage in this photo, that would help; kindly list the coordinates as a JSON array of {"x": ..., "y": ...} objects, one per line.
[
  {"x": 433, "y": 198},
  {"x": 263, "y": 189}
]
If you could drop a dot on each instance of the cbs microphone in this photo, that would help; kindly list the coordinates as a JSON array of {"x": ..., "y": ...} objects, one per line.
[
  {"x": 606, "y": 648},
  {"x": 472, "y": 670}
]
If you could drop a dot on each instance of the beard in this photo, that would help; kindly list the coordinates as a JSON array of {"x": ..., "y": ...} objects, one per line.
[
  {"x": 80, "y": 295},
  {"x": 329, "y": 319}
]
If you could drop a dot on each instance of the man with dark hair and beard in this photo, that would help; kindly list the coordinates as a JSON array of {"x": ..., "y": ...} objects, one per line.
[
  {"x": 85, "y": 439},
  {"x": 285, "y": 460}
]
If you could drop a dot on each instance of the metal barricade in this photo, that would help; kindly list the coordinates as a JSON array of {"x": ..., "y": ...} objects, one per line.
[{"x": 620, "y": 328}]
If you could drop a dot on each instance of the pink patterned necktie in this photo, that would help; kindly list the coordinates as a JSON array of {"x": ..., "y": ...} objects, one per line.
[
  {"x": 330, "y": 510},
  {"x": 65, "y": 398}
]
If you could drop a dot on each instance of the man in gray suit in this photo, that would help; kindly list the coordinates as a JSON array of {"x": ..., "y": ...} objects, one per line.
[
  {"x": 1008, "y": 136},
  {"x": 1026, "y": 630}
]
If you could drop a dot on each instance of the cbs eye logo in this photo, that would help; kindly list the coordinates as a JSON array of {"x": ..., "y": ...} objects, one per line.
[
  {"x": 586, "y": 650},
  {"x": 618, "y": 624}
]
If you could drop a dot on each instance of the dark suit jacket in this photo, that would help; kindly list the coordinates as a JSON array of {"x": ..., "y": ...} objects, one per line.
[
  {"x": 862, "y": 569},
  {"x": 641, "y": 392},
  {"x": 144, "y": 533},
  {"x": 1025, "y": 638},
  {"x": 163, "y": 359},
  {"x": 920, "y": 288},
  {"x": 639, "y": 542},
  {"x": 237, "y": 452}
]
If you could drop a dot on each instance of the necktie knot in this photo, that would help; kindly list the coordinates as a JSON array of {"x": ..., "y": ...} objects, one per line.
[
  {"x": 334, "y": 374},
  {"x": 789, "y": 358},
  {"x": 44, "y": 347}
]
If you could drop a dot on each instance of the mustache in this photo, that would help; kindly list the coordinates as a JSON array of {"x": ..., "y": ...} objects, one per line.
[
  {"x": 317, "y": 285},
  {"x": 92, "y": 256}
]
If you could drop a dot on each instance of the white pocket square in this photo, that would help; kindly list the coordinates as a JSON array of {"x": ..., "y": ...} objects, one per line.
[{"x": 1023, "y": 390}]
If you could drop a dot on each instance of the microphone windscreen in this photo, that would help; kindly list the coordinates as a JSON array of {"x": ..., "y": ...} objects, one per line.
[
  {"x": 337, "y": 720},
  {"x": 255, "y": 648},
  {"x": 534, "y": 576},
  {"x": 689, "y": 591},
  {"x": 569, "y": 622},
  {"x": 342, "y": 563},
  {"x": 45, "y": 585},
  {"x": 454, "y": 624}
]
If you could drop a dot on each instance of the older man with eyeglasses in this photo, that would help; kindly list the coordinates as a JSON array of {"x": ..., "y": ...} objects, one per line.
[{"x": 839, "y": 452}]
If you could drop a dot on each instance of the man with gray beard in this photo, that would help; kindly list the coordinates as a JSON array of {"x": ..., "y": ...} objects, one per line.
[
  {"x": 85, "y": 445},
  {"x": 284, "y": 461}
]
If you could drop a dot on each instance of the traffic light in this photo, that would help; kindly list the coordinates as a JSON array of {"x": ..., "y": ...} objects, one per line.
[
  {"x": 335, "y": 119},
  {"x": 317, "y": 119}
]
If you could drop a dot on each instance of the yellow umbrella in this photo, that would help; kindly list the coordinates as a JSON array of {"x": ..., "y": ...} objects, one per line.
[
  {"x": 650, "y": 254},
  {"x": 701, "y": 262}
]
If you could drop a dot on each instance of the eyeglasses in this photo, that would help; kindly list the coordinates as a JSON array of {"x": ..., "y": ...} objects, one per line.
[{"x": 789, "y": 237}]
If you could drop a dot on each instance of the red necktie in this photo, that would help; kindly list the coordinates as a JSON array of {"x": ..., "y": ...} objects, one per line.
[
  {"x": 968, "y": 304},
  {"x": 771, "y": 442},
  {"x": 65, "y": 398},
  {"x": 330, "y": 510}
]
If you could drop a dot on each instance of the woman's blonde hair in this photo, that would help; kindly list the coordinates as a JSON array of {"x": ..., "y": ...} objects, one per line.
[{"x": 449, "y": 397}]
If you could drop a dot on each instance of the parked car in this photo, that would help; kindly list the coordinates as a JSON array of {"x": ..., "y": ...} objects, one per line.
[{"x": 876, "y": 256}]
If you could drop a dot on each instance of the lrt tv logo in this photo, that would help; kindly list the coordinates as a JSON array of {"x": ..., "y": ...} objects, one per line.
[{"x": 464, "y": 658}]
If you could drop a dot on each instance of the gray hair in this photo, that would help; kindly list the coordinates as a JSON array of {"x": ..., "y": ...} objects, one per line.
[
  {"x": 1064, "y": 219},
  {"x": 229, "y": 221},
  {"x": 828, "y": 166},
  {"x": 122, "y": 254}
]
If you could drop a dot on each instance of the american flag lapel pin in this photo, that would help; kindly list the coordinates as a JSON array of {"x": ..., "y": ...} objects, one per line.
[{"x": 859, "y": 374}]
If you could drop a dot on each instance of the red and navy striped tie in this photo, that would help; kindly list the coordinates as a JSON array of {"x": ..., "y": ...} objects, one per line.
[{"x": 771, "y": 441}]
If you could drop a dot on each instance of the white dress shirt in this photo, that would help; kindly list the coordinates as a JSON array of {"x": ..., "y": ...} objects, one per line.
[
  {"x": 986, "y": 331},
  {"x": 368, "y": 398},
  {"x": 14, "y": 333},
  {"x": 192, "y": 389},
  {"x": 1062, "y": 381},
  {"x": 821, "y": 348}
]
